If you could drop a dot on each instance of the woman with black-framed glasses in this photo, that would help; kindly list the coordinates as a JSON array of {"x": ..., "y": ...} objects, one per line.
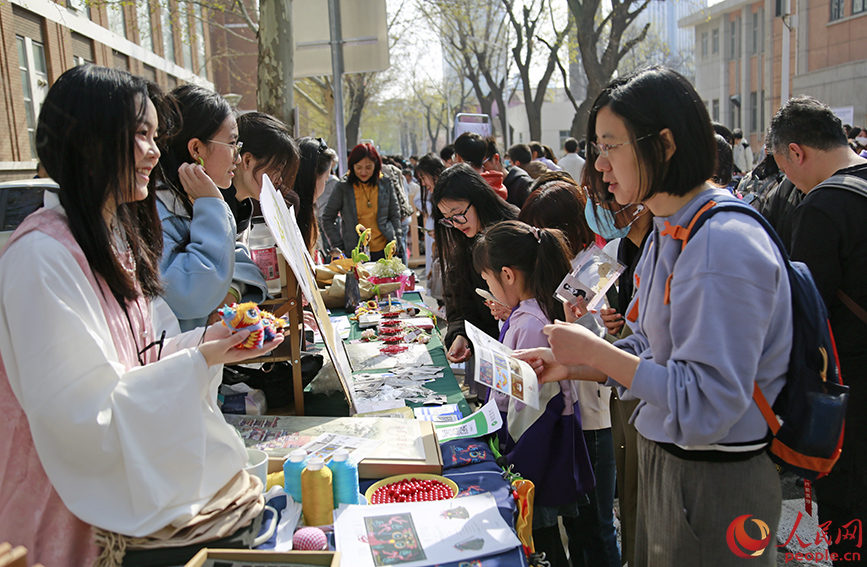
[{"x": 464, "y": 205}]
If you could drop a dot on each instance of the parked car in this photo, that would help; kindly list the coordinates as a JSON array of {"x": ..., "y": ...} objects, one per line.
[{"x": 17, "y": 200}]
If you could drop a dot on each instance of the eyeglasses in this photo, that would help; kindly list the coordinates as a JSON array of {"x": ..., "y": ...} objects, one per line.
[
  {"x": 460, "y": 218},
  {"x": 603, "y": 149},
  {"x": 322, "y": 145},
  {"x": 236, "y": 146}
]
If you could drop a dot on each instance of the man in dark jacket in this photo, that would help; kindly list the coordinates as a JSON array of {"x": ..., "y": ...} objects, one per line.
[{"x": 830, "y": 236}]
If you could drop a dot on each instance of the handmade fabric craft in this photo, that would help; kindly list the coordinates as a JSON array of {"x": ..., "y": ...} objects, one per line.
[{"x": 263, "y": 325}]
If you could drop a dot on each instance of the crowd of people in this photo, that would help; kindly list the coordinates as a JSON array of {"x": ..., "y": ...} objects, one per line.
[{"x": 109, "y": 293}]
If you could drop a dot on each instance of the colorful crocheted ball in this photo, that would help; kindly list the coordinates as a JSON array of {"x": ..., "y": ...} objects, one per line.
[{"x": 309, "y": 539}]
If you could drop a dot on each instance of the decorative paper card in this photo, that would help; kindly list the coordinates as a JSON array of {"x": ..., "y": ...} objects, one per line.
[
  {"x": 449, "y": 413},
  {"x": 486, "y": 420},
  {"x": 496, "y": 369},
  {"x": 418, "y": 534},
  {"x": 593, "y": 273}
]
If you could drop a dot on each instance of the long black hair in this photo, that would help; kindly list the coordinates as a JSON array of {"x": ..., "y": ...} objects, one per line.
[
  {"x": 542, "y": 255},
  {"x": 462, "y": 182},
  {"x": 85, "y": 139},
  {"x": 316, "y": 159},
  {"x": 199, "y": 113},
  {"x": 270, "y": 142},
  {"x": 432, "y": 166}
]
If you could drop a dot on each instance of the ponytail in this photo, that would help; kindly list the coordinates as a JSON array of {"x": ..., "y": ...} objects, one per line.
[{"x": 541, "y": 254}]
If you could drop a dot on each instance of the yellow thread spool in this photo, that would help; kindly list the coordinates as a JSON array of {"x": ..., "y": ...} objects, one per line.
[{"x": 317, "y": 497}]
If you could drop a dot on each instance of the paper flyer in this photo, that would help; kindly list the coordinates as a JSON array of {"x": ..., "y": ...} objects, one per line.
[
  {"x": 417, "y": 534},
  {"x": 497, "y": 369},
  {"x": 486, "y": 420},
  {"x": 593, "y": 273}
]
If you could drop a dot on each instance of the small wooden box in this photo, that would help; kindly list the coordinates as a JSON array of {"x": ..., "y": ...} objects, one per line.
[{"x": 248, "y": 556}]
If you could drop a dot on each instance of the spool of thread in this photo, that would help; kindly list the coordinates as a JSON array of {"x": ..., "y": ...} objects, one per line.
[
  {"x": 317, "y": 502},
  {"x": 292, "y": 468},
  {"x": 344, "y": 478}
]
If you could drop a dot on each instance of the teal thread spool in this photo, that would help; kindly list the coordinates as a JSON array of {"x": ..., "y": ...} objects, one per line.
[
  {"x": 344, "y": 478},
  {"x": 292, "y": 468}
]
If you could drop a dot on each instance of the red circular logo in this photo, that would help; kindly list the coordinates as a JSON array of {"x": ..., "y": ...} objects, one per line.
[{"x": 742, "y": 544}]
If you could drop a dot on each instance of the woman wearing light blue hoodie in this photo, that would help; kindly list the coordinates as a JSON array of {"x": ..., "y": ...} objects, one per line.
[
  {"x": 710, "y": 320},
  {"x": 202, "y": 267}
]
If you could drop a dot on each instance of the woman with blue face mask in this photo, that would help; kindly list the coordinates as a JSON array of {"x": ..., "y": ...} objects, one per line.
[{"x": 636, "y": 221}]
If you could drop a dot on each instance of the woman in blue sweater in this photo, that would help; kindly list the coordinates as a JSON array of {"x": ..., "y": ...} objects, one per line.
[{"x": 710, "y": 321}]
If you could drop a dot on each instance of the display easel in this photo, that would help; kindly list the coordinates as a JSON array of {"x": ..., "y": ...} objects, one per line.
[{"x": 289, "y": 303}]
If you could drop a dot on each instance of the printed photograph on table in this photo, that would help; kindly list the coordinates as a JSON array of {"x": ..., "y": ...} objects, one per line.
[
  {"x": 418, "y": 534},
  {"x": 393, "y": 539},
  {"x": 593, "y": 273}
]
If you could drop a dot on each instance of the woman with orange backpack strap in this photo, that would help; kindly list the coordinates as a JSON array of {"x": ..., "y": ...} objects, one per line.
[{"x": 710, "y": 321}]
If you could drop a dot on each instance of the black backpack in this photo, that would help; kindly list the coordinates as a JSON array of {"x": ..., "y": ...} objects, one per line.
[{"x": 807, "y": 419}]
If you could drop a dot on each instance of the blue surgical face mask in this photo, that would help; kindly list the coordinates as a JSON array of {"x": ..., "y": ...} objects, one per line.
[{"x": 603, "y": 223}]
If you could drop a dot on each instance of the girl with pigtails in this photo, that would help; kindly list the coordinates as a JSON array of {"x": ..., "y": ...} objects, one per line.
[{"x": 523, "y": 265}]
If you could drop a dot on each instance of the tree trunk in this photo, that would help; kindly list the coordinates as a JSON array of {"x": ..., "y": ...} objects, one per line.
[
  {"x": 356, "y": 87},
  {"x": 579, "y": 120},
  {"x": 276, "y": 60}
]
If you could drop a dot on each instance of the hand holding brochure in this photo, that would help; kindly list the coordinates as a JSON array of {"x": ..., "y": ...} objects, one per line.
[
  {"x": 593, "y": 273},
  {"x": 497, "y": 369}
]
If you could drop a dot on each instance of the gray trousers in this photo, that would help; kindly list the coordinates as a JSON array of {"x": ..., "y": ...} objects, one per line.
[{"x": 685, "y": 508}]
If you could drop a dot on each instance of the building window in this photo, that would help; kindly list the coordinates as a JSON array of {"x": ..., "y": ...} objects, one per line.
[
  {"x": 200, "y": 43},
  {"x": 754, "y": 48},
  {"x": 143, "y": 17},
  {"x": 754, "y": 112},
  {"x": 168, "y": 30},
  {"x": 714, "y": 110},
  {"x": 761, "y": 30},
  {"x": 119, "y": 60},
  {"x": 762, "y": 112},
  {"x": 80, "y": 7},
  {"x": 186, "y": 40},
  {"x": 859, "y": 6},
  {"x": 116, "y": 19},
  {"x": 82, "y": 49},
  {"x": 734, "y": 46},
  {"x": 733, "y": 116},
  {"x": 34, "y": 80},
  {"x": 704, "y": 44},
  {"x": 714, "y": 41},
  {"x": 836, "y": 9}
]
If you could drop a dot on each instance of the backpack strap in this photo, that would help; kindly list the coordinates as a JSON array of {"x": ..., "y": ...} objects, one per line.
[
  {"x": 680, "y": 233},
  {"x": 845, "y": 181},
  {"x": 852, "y": 305},
  {"x": 857, "y": 185},
  {"x": 736, "y": 205}
]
